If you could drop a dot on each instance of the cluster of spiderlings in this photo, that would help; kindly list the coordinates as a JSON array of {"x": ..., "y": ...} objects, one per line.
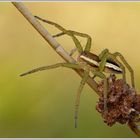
[{"x": 123, "y": 102}]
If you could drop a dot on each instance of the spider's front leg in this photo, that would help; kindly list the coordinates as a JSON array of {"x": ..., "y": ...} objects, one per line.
[
  {"x": 64, "y": 31},
  {"x": 72, "y": 35},
  {"x": 117, "y": 54},
  {"x": 68, "y": 65},
  {"x": 104, "y": 56},
  {"x": 105, "y": 94},
  {"x": 77, "y": 101}
]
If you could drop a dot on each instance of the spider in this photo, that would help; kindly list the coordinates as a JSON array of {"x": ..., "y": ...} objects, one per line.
[{"x": 105, "y": 62}]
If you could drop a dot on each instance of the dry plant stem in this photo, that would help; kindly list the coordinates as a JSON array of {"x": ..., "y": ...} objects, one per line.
[{"x": 53, "y": 43}]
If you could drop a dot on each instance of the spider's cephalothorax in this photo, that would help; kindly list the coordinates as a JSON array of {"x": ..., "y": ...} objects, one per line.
[
  {"x": 105, "y": 62},
  {"x": 94, "y": 61}
]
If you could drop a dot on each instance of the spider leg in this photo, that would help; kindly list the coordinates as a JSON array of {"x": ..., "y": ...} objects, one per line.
[
  {"x": 134, "y": 128},
  {"x": 111, "y": 56},
  {"x": 77, "y": 101},
  {"x": 72, "y": 51},
  {"x": 103, "y": 57},
  {"x": 127, "y": 66},
  {"x": 59, "y": 34},
  {"x": 64, "y": 31},
  {"x": 103, "y": 53},
  {"x": 71, "y": 33},
  {"x": 106, "y": 55},
  {"x": 68, "y": 65},
  {"x": 89, "y": 39},
  {"x": 105, "y": 94}
]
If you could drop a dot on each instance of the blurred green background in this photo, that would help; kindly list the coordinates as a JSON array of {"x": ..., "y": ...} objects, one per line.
[{"x": 42, "y": 104}]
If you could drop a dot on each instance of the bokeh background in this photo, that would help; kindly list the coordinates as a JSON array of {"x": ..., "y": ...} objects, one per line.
[{"x": 42, "y": 104}]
